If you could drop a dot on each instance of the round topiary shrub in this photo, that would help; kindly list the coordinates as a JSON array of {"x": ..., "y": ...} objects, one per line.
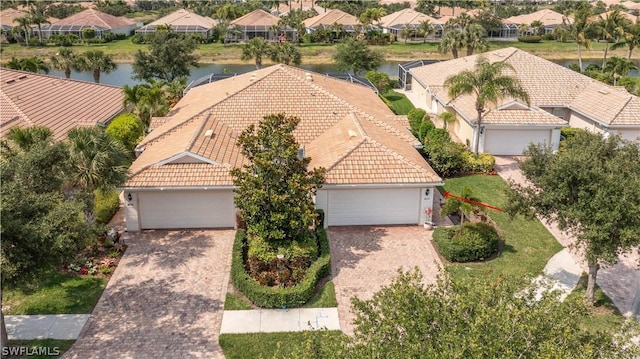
[{"x": 466, "y": 243}]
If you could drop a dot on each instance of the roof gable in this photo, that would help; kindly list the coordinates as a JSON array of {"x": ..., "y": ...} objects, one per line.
[
  {"x": 256, "y": 18},
  {"x": 334, "y": 16},
  {"x": 546, "y": 16},
  {"x": 94, "y": 17},
  {"x": 183, "y": 17},
  {"x": 406, "y": 17}
]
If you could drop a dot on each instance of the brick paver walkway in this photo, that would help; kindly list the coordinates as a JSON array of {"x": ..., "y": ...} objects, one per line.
[
  {"x": 165, "y": 299},
  {"x": 365, "y": 258},
  {"x": 620, "y": 282}
]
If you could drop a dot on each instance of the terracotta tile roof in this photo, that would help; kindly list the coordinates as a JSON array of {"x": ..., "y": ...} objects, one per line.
[
  {"x": 412, "y": 3},
  {"x": 183, "y": 17},
  {"x": 60, "y": 104},
  {"x": 205, "y": 124},
  {"x": 182, "y": 175},
  {"x": 521, "y": 117},
  {"x": 546, "y": 16},
  {"x": 8, "y": 17},
  {"x": 334, "y": 16},
  {"x": 608, "y": 104},
  {"x": 631, "y": 5},
  {"x": 633, "y": 18},
  {"x": 404, "y": 17},
  {"x": 256, "y": 18},
  {"x": 97, "y": 18},
  {"x": 282, "y": 8}
]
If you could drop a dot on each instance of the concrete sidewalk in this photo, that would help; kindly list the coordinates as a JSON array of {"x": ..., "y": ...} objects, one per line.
[
  {"x": 279, "y": 320},
  {"x": 60, "y": 326}
]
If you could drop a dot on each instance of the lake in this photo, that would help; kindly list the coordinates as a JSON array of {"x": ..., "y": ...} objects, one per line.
[{"x": 122, "y": 75}]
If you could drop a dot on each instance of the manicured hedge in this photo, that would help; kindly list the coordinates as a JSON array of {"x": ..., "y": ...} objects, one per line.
[
  {"x": 106, "y": 205},
  {"x": 269, "y": 297},
  {"x": 476, "y": 241},
  {"x": 484, "y": 163}
]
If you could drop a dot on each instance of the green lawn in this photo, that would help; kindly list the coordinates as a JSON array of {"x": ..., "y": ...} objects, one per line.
[
  {"x": 605, "y": 316},
  {"x": 44, "y": 346},
  {"x": 528, "y": 244},
  {"x": 234, "y": 302},
  {"x": 265, "y": 345},
  {"x": 324, "y": 298},
  {"x": 55, "y": 293},
  {"x": 399, "y": 103}
]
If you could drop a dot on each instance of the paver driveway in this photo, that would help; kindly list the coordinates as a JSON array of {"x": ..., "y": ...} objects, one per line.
[
  {"x": 164, "y": 300},
  {"x": 365, "y": 258}
]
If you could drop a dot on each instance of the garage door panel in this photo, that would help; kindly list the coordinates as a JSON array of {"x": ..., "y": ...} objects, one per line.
[
  {"x": 186, "y": 209},
  {"x": 373, "y": 206},
  {"x": 513, "y": 142}
]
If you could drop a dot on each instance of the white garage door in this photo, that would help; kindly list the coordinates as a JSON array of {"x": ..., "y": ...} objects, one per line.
[
  {"x": 513, "y": 142},
  {"x": 373, "y": 206},
  {"x": 186, "y": 209}
]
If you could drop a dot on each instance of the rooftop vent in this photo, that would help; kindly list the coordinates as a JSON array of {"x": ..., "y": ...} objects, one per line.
[
  {"x": 253, "y": 77},
  {"x": 301, "y": 152},
  {"x": 352, "y": 134},
  {"x": 308, "y": 77},
  {"x": 603, "y": 91},
  {"x": 209, "y": 133}
]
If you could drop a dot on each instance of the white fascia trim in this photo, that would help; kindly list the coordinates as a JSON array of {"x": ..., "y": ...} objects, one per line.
[
  {"x": 188, "y": 154},
  {"x": 175, "y": 188},
  {"x": 381, "y": 185},
  {"x": 515, "y": 102},
  {"x": 499, "y": 126}
]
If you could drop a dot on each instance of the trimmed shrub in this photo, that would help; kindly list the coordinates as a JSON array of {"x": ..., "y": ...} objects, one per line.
[
  {"x": 270, "y": 297},
  {"x": 319, "y": 218},
  {"x": 472, "y": 242},
  {"x": 415, "y": 117},
  {"x": 380, "y": 80},
  {"x": 530, "y": 39},
  {"x": 106, "y": 205},
  {"x": 126, "y": 128},
  {"x": 425, "y": 127},
  {"x": 444, "y": 156},
  {"x": 484, "y": 163}
]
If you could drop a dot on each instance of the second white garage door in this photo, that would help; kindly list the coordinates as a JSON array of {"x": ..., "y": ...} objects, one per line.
[
  {"x": 186, "y": 209},
  {"x": 513, "y": 142},
  {"x": 373, "y": 206}
]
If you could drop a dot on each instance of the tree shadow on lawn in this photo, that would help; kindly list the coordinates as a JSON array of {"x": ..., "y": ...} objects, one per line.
[
  {"x": 149, "y": 319},
  {"x": 350, "y": 244}
]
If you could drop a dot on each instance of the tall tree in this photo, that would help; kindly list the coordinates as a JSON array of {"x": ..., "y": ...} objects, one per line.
[
  {"x": 592, "y": 189},
  {"x": 355, "y": 55},
  {"x": 286, "y": 53},
  {"x": 170, "y": 56},
  {"x": 631, "y": 37},
  {"x": 33, "y": 64},
  {"x": 618, "y": 67},
  {"x": 275, "y": 190},
  {"x": 97, "y": 162},
  {"x": 37, "y": 16},
  {"x": 611, "y": 28},
  {"x": 495, "y": 318},
  {"x": 97, "y": 62},
  {"x": 255, "y": 49},
  {"x": 24, "y": 23},
  {"x": 488, "y": 83},
  {"x": 581, "y": 29},
  {"x": 475, "y": 38},
  {"x": 426, "y": 29},
  {"x": 65, "y": 60},
  {"x": 453, "y": 40}
]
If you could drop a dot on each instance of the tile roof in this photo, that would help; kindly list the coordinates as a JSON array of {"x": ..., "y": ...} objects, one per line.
[
  {"x": 344, "y": 127},
  {"x": 184, "y": 17},
  {"x": 633, "y": 18},
  {"x": 548, "y": 85},
  {"x": 404, "y": 17},
  {"x": 95, "y": 17},
  {"x": 60, "y": 104},
  {"x": 8, "y": 16},
  {"x": 631, "y": 5},
  {"x": 333, "y": 16},
  {"x": 546, "y": 16},
  {"x": 283, "y": 8},
  {"x": 257, "y": 18}
]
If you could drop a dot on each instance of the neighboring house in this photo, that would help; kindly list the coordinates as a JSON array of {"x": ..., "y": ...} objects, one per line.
[
  {"x": 30, "y": 99},
  {"x": 283, "y": 8},
  {"x": 625, "y": 15},
  {"x": 183, "y": 22},
  {"x": 549, "y": 19},
  {"x": 257, "y": 23},
  {"x": 88, "y": 19},
  {"x": 408, "y": 18},
  {"x": 8, "y": 21},
  {"x": 331, "y": 18},
  {"x": 559, "y": 97},
  {"x": 374, "y": 175},
  {"x": 633, "y": 7}
]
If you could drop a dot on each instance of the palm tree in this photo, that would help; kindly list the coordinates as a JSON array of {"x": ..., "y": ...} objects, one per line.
[
  {"x": 425, "y": 29},
  {"x": 98, "y": 62},
  {"x": 407, "y": 32},
  {"x": 611, "y": 27},
  {"x": 23, "y": 23},
  {"x": 475, "y": 37},
  {"x": 538, "y": 27},
  {"x": 454, "y": 205},
  {"x": 153, "y": 102},
  {"x": 175, "y": 90},
  {"x": 22, "y": 139},
  {"x": 30, "y": 64},
  {"x": 452, "y": 41},
  {"x": 65, "y": 60},
  {"x": 255, "y": 50},
  {"x": 285, "y": 53},
  {"x": 447, "y": 119},
  {"x": 619, "y": 67},
  {"x": 97, "y": 162},
  {"x": 631, "y": 37},
  {"x": 580, "y": 31},
  {"x": 522, "y": 29},
  {"x": 489, "y": 85},
  {"x": 37, "y": 16}
]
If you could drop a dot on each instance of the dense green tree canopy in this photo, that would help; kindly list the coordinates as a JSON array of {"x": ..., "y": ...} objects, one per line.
[
  {"x": 170, "y": 57},
  {"x": 354, "y": 55},
  {"x": 126, "y": 128},
  {"x": 469, "y": 318},
  {"x": 591, "y": 187},
  {"x": 274, "y": 191}
]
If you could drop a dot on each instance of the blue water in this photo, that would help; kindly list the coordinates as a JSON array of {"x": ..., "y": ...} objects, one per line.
[{"x": 122, "y": 75}]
